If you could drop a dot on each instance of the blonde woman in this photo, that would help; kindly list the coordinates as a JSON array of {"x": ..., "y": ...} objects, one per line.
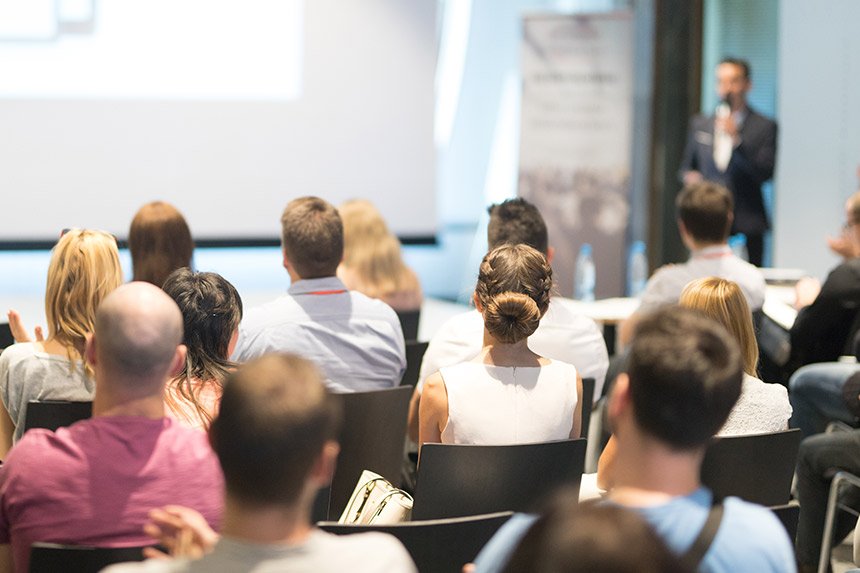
[
  {"x": 507, "y": 394},
  {"x": 372, "y": 261},
  {"x": 84, "y": 268},
  {"x": 761, "y": 408}
]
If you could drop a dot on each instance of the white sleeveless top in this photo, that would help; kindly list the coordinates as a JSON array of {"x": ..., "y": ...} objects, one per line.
[{"x": 509, "y": 405}]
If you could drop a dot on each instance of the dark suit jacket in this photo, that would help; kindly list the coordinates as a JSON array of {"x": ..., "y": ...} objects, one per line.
[{"x": 751, "y": 165}]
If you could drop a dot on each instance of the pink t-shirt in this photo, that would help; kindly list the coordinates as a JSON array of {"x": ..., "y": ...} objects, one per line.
[{"x": 94, "y": 482}]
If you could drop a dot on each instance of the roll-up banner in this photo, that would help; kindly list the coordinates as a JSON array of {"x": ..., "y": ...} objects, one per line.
[{"x": 576, "y": 137}]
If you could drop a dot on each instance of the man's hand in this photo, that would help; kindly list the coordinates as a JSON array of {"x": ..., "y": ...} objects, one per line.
[
  {"x": 183, "y": 531},
  {"x": 727, "y": 125},
  {"x": 806, "y": 291},
  {"x": 19, "y": 332}
]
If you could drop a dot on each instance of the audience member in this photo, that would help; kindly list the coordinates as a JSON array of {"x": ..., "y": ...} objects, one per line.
[
  {"x": 590, "y": 538},
  {"x": 372, "y": 263},
  {"x": 84, "y": 268},
  {"x": 159, "y": 242},
  {"x": 704, "y": 219},
  {"x": 507, "y": 394},
  {"x": 211, "y": 311},
  {"x": 827, "y": 317},
  {"x": 818, "y": 460},
  {"x": 684, "y": 375},
  {"x": 563, "y": 333},
  {"x": 275, "y": 439},
  {"x": 355, "y": 340},
  {"x": 94, "y": 482}
]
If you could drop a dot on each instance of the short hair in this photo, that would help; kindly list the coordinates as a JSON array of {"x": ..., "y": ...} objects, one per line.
[
  {"x": 84, "y": 269},
  {"x": 516, "y": 222},
  {"x": 159, "y": 242},
  {"x": 211, "y": 311},
  {"x": 514, "y": 284},
  {"x": 685, "y": 375},
  {"x": 706, "y": 209},
  {"x": 724, "y": 301},
  {"x": 274, "y": 420},
  {"x": 591, "y": 538},
  {"x": 739, "y": 62},
  {"x": 312, "y": 237}
]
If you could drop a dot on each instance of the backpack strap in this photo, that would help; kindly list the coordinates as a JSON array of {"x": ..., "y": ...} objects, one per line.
[{"x": 694, "y": 555}]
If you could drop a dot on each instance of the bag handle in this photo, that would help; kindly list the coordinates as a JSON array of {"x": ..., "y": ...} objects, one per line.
[{"x": 694, "y": 555}]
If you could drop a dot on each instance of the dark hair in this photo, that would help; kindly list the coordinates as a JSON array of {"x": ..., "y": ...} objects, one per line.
[
  {"x": 312, "y": 237},
  {"x": 275, "y": 418},
  {"x": 705, "y": 209},
  {"x": 211, "y": 311},
  {"x": 514, "y": 284},
  {"x": 741, "y": 63},
  {"x": 159, "y": 242},
  {"x": 591, "y": 538},
  {"x": 515, "y": 222},
  {"x": 685, "y": 375}
]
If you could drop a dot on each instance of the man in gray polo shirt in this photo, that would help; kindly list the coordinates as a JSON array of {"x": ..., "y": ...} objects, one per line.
[{"x": 356, "y": 341}]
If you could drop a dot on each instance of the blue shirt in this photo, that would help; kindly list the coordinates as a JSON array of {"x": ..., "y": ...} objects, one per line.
[
  {"x": 356, "y": 341},
  {"x": 750, "y": 537}
]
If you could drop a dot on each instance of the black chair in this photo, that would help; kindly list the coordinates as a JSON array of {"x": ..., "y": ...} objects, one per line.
[
  {"x": 6, "y": 338},
  {"x": 374, "y": 430},
  {"x": 460, "y": 480},
  {"x": 53, "y": 414},
  {"x": 757, "y": 468},
  {"x": 436, "y": 546},
  {"x": 587, "y": 405},
  {"x": 409, "y": 323},
  {"x": 55, "y": 558},
  {"x": 414, "y": 355},
  {"x": 788, "y": 514}
]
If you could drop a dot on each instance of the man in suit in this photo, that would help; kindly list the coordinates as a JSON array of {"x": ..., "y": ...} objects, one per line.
[{"x": 736, "y": 147}]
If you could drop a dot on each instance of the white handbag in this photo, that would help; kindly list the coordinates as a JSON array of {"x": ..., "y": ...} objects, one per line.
[{"x": 376, "y": 501}]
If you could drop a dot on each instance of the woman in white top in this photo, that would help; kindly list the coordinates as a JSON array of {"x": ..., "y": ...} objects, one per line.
[
  {"x": 761, "y": 408},
  {"x": 84, "y": 268},
  {"x": 507, "y": 394}
]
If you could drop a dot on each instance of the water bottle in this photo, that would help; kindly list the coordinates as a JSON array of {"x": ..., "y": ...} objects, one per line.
[
  {"x": 637, "y": 269},
  {"x": 738, "y": 245},
  {"x": 583, "y": 275}
]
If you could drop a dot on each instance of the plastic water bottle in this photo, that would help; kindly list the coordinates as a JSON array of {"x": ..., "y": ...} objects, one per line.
[
  {"x": 738, "y": 245},
  {"x": 637, "y": 269},
  {"x": 584, "y": 275}
]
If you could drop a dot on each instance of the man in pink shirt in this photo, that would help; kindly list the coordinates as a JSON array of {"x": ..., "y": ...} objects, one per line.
[{"x": 94, "y": 482}]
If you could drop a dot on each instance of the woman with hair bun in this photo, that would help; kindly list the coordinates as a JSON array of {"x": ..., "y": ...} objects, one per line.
[{"x": 507, "y": 394}]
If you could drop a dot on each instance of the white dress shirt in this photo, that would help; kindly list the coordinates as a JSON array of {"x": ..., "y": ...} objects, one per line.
[{"x": 356, "y": 341}]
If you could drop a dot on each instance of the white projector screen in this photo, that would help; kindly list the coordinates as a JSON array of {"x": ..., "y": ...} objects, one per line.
[{"x": 225, "y": 108}]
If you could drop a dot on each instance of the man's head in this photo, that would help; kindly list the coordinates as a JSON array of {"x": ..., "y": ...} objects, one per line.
[
  {"x": 137, "y": 340},
  {"x": 683, "y": 378},
  {"x": 517, "y": 222},
  {"x": 275, "y": 433},
  {"x": 705, "y": 213},
  {"x": 733, "y": 81},
  {"x": 311, "y": 237}
]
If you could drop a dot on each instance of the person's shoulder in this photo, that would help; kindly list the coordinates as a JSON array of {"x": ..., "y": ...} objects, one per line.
[
  {"x": 43, "y": 448},
  {"x": 760, "y": 119},
  {"x": 369, "y": 552},
  {"x": 752, "y": 535},
  {"x": 18, "y": 352},
  {"x": 562, "y": 312},
  {"x": 150, "y": 566}
]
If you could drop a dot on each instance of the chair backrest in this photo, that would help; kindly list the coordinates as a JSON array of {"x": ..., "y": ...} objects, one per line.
[
  {"x": 758, "y": 467},
  {"x": 436, "y": 546},
  {"x": 788, "y": 514},
  {"x": 409, "y": 323},
  {"x": 587, "y": 405},
  {"x": 372, "y": 438},
  {"x": 460, "y": 480},
  {"x": 414, "y": 355},
  {"x": 6, "y": 338},
  {"x": 53, "y": 558},
  {"x": 53, "y": 414}
]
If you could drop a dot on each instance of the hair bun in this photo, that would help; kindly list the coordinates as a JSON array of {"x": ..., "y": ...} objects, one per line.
[{"x": 511, "y": 317}]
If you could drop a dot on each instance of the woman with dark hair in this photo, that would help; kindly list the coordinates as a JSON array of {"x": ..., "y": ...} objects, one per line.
[
  {"x": 507, "y": 394},
  {"x": 211, "y": 311},
  {"x": 159, "y": 242}
]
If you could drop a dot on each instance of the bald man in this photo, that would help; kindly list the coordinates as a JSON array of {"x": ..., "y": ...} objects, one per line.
[{"x": 94, "y": 482}]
